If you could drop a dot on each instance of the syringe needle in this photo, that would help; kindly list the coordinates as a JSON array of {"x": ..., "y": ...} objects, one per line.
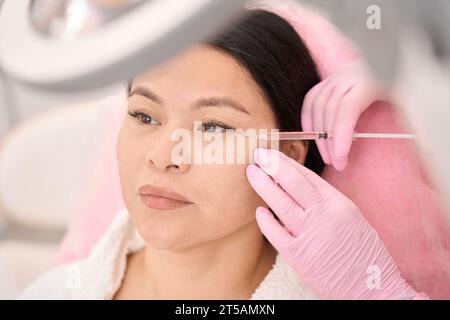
[{"x": 303, "y": 135}]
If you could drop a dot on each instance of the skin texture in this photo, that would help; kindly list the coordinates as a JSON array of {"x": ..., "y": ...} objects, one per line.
[{"x": 212, "y": 248}]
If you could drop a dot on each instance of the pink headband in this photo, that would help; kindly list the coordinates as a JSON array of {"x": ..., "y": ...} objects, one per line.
[{"x": 329, "y": 48}]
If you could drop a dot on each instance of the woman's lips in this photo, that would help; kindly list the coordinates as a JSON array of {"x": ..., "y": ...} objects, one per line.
[
  {"x": 161, "y": 198},
  {"x": 161, "y": 203}
]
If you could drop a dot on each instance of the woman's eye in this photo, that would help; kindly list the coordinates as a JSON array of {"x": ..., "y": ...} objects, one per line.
[
  {"x": 143, "y": 118},
  {"x": 213, "y": 127}
]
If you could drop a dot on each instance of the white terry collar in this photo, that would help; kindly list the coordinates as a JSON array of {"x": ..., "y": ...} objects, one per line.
[{"x": 109, "y": 259}]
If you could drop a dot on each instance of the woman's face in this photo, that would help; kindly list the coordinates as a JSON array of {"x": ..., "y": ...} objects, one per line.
[{"x": 222, "y": 200}]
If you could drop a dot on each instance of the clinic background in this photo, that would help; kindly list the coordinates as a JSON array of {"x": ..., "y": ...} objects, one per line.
[{"x": 47, "y": 153}]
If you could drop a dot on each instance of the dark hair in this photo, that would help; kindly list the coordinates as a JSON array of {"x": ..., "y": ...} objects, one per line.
[{"x": 280, "y": 63}]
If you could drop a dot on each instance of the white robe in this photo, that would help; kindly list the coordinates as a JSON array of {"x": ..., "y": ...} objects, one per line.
[{"x": 100, "y": 275}]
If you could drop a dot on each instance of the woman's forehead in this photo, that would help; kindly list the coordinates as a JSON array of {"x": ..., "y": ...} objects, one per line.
[
  {"x": 202, "y": 71},
  {"x": 198, "y": 63}
]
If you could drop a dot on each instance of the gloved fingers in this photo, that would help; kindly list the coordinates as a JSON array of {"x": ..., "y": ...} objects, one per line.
[
  {"x": 277, "y": 235},
  {"x": 322, "y": 187},
  {"x": 329, "y": 120},
  {"x": 287, "y": 210},
  {"x": 306, "y": 114},
  {"x": 316, "y": 108},
  {"x": 352, "y": 105},
  {"x": 283, "y": 171},
  {"x": 333, "y": 107},
  {"x": 318, "y": 120}
]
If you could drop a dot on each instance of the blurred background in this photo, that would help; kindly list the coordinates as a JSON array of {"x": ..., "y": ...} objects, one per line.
[{"x": 48, "y": 151}]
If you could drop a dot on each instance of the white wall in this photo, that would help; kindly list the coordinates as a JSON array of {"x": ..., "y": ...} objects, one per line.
[{"x": 19, "y": 102}]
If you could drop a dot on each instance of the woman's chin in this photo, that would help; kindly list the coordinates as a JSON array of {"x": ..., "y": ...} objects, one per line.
[
  {"x": 165, "y": 236},
  {"x": 163, "y": 244}
]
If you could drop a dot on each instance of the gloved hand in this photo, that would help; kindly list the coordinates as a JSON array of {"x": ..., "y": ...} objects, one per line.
[
  {"x": 323, "y": 235},
  {"x": 335, "y": 104}
]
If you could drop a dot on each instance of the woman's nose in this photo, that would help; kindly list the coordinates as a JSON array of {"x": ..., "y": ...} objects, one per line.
[{"x": 160, "y": 154}]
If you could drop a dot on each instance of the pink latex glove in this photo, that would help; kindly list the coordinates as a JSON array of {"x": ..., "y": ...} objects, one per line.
[
  {"x": 323, "y": 235},
  {"x": 335, "y": 104}
]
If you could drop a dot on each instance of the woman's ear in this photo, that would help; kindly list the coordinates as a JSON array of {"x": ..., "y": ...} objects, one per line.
[{"x": 296, "y": 150}]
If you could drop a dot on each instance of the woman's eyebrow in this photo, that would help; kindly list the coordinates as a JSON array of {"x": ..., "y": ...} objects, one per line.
[
  {"x": 203, "y": 102},
  {"x": 145, "y": 92},
  {"x": 220, "y": 102}
]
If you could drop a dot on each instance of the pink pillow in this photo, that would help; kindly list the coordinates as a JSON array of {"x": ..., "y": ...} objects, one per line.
[{"x": 383, "y": 177}]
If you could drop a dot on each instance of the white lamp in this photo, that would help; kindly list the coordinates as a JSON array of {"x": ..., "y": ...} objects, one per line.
[{"x": 73, "y": 45}]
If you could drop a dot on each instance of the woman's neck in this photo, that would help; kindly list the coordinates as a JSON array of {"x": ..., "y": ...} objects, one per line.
[{"x": 226, "y": 268}]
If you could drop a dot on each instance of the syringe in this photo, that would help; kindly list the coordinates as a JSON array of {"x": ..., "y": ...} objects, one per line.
[{"x": 304, "y": 135}]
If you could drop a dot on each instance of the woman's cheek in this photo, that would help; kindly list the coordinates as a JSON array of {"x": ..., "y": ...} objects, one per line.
[
  {"x": 129, "y": 146},
  {"x": 127, "y": 160},
  {"x": 235, "y": 193}
]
